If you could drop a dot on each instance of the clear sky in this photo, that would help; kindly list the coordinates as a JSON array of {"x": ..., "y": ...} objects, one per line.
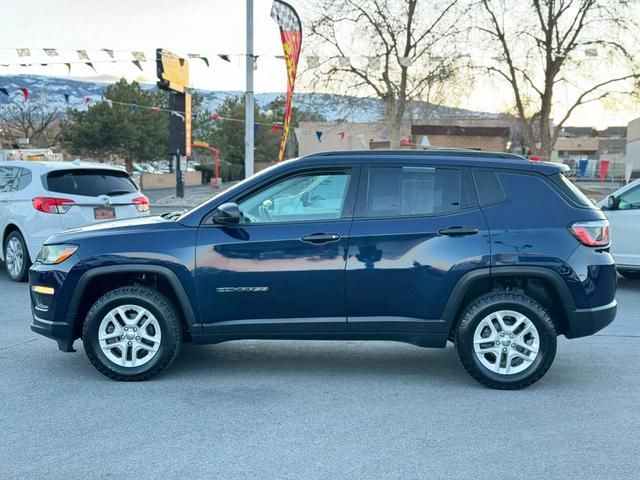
[{"x": 208, "y": 27}]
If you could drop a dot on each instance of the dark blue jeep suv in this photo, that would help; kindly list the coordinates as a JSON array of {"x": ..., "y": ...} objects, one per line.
[{"x": 492, "y": 252}]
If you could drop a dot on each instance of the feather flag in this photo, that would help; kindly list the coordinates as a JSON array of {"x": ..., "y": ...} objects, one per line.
[{"x": 291, "y": 36}]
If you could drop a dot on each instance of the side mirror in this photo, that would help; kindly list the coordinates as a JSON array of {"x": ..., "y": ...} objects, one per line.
[
  {"x": 226, "y": 214},
  {"x": 612, "y": 202}
]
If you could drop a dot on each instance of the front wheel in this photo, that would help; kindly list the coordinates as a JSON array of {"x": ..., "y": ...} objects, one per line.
[
  {"x": 132, "y": 333},
  {"x": 506, "y": 340}
]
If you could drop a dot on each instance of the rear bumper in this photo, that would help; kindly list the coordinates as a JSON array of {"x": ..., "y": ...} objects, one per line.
[{"x": 584, "y": 322}]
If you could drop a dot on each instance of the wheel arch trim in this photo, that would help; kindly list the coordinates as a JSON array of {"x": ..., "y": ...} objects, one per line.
[
  {"x": 487, "y": 274},
  {"x": 168, "y": 274}
]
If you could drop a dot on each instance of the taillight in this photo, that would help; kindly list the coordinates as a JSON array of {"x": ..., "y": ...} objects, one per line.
[
  {"x": 141, "y": 203},
  {"x": 52, "y": 205},
  {"x": 592, "y": 234}
]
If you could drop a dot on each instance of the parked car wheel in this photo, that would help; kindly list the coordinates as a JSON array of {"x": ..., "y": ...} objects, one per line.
[
  {"x": 16, "y": 257},
  {"x": 630, "y": 274},
  {"x": 506, "y": 340},
  {"x": 132, "y": 333}
]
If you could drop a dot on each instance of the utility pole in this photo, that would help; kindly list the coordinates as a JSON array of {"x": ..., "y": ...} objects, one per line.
[{"x": 249, "y": 101}]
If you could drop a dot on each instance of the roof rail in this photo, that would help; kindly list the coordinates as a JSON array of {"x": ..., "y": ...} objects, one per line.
[{"x": 462, "y": 152}]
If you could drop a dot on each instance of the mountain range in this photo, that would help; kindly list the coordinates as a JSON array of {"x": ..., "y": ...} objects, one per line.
[{"x": 334, "y": 107}]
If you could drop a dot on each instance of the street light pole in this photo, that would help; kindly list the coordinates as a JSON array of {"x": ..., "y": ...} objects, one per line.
[{"x": 249, "y": 101}]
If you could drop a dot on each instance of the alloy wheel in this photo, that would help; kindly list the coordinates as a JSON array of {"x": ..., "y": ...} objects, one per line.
[
  {"x": 129, "y": 336},
  {"x": 506, "y": 342},
  {"x": 14, "y": 256}
]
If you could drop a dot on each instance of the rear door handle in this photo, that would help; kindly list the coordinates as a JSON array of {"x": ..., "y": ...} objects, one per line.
[
  {"x": 318, "y": 238},
  {"x": 458, "y": 231}
]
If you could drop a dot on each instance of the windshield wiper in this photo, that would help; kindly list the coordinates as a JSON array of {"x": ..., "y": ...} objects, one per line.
[
  {"x": 117, "y": 192},
  {"x": 173, "y": 215}
]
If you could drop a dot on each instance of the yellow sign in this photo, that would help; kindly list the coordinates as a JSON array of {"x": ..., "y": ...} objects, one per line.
[{"x": 173, "y": 71}]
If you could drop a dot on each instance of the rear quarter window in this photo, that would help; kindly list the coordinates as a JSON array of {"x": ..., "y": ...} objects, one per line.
[
  {"x": 567, "y": 187},
  {"x": 90, "y": 182}
]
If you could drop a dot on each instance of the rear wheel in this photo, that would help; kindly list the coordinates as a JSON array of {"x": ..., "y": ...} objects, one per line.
[
  {"x": 16, "y": 257},
  {"x": 132, "y": 333},
  {"x": 630, "y": 274},
  {"x": 506, "y": 340}
]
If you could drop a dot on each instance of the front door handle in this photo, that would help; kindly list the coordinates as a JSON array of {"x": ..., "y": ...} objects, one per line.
[
  {"x": 458, "y": 231},
  {"x": 319, "y": 238}
]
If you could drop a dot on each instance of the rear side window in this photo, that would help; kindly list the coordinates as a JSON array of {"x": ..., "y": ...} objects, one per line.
[
  {"x": 567, "y": 187},
  {"x": 91, "y": 183},
  {"x": 489, "y": 187},
  {"x": 405, "y": 191},
  {"x": 25, "y": 178}
]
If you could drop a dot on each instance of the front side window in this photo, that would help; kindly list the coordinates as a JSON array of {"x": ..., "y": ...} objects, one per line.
[
  {"x": 308, "y": 197},
  {"x": 630, "y": 200},
  {"x": 406, "y": 191}
]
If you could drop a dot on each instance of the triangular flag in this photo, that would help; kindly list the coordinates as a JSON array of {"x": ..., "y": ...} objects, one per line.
[
  {"x": 139, "y": 56},
  {"x": 66, "y": 98},
  {"x": 197, "y": 55},
  {"x": 341, "y": 135},
  {"x": 134, "y": 108},
  {"x": 224, "y": 57},
  {"x": 50, "y": 52},
  {"x": 137, "y": 64},
  {"x": 89, "y": 64},
  {"x": 87, "y": 100},
  {"x": 82, "y": 55},
  {"x": 68, "y": 67},
  {"x": 404, "y": 141},
  {"x": 5, "y": 91},
  {"x": 319, "y": 135},
  {"x": 108, "y": 52},
  {"x": 256, "y": 129},
  {"x": 215, "y": 117},
  {"x": 25, "y": 93},
  {"x": 155, "y": 109},
  {"x": 275, "y": 128},
  {"x": 110, "y": 103},
  {"x": 23, "y": 52}
]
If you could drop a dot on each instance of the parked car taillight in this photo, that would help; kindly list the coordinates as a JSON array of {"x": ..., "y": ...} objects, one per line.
[
  {"x": 52, "y": 205},
  {"x": 592, "y": 234},
  {"x": 141, "y": 203}
]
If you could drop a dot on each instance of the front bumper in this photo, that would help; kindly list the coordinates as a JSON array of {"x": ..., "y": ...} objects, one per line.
[
  {"x": 61, "y": 332},
  {"x": 50, "y": 312},
  {"x": 584, "y": 322}
]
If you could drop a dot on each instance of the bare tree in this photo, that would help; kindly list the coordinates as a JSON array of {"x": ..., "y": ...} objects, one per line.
[
  {"x": 409, "y": 49},
  {"x": 31, "y": 119},
  {"x": 582, "y": 46}
]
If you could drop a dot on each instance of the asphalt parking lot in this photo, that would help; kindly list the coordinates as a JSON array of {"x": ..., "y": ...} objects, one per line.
[{"x": 305, "y": 410}]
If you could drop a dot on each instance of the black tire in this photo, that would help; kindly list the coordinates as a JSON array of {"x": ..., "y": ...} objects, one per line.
[
  {"x": 630, "y": 274},
  {"x": 22, "y": 273},
  {"x": 482, "y": 306},
  {"x": 164, "y": 312}
]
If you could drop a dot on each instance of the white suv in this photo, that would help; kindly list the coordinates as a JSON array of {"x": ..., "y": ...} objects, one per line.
[
  {"x": 39, "y": 199},
  {"x": 622, "y": 209}
]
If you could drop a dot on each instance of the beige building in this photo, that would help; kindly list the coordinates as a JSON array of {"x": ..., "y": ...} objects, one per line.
[
  {"x": 341, "y": 136},
  {"x": 633, "y": 145}
]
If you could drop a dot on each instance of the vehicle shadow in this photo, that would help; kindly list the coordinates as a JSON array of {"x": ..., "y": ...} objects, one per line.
[{"x": 311, "y": 358}]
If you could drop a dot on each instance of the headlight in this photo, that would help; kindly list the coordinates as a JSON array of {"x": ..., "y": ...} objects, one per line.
[{"x": 54, "y": 254}]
